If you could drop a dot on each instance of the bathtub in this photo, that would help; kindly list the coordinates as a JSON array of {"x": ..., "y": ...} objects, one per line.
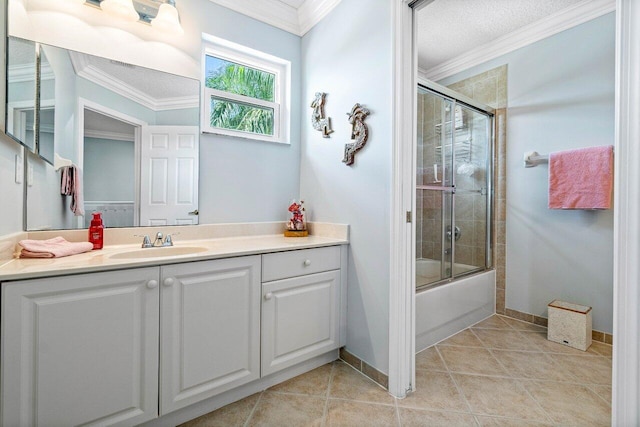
[
  {"x": 428, "y": 270},
  {"x": 447, "y": 309}
]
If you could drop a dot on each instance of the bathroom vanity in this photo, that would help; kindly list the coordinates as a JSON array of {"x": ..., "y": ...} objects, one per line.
[{"x": 104, "y": 338}]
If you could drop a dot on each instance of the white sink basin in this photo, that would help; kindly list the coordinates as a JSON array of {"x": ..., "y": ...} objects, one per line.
[{"x": 159, "y": 252}]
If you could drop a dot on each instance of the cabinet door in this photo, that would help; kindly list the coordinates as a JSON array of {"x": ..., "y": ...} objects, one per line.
[
  {"x": 81, "y": 350},
  {"x": 210, "y": 326},
  {"x": 299, "y": 319}
]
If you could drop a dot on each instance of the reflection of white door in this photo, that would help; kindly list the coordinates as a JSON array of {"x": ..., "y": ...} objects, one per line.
[{"x": 169, "y": 175}]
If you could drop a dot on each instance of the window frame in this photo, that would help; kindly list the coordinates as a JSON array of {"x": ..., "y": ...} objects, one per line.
[{"x": 242, "y": 55}]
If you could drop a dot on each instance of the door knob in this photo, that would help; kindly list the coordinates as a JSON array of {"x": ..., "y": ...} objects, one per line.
[
  {"x": 152, "y": 284},
  {"x": 194, "y": 212},
  {"x": 268, "y": 296},
  {"x": 169, "y": 281}
]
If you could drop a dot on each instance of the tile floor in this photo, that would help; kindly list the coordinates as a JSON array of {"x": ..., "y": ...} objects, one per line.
[{"x": 500, "y": 372}]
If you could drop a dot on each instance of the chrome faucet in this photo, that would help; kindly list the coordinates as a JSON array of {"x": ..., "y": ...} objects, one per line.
[{"x": 158, "y": 242}]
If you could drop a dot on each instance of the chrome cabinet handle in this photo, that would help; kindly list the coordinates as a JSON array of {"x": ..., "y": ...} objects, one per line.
[
  {"x": 268, "y": 296},
  {"x": 169, "y": 281},
  {"x": 152, "y": 284},
  {"x": 307, "y": 262}
]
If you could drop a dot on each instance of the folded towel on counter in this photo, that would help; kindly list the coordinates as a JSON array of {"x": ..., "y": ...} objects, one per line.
[
  {"x": 52, "y": 248},
  {"x": 581, "y": 179},
  {"x": 71, "y": 185}
]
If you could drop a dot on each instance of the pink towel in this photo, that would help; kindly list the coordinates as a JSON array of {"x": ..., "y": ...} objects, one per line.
[
  {"x": 52, "y": 248},
  {"x": 581, "y": 179},
  {"x": 71, "y": 185}
]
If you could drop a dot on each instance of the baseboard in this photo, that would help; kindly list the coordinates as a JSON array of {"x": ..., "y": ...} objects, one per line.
[
  {"x": 602, "y": 337},
  {"x": 366, "y": 369}
]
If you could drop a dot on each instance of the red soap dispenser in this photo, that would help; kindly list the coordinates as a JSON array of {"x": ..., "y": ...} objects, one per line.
[{"x": 96, "y": 231}]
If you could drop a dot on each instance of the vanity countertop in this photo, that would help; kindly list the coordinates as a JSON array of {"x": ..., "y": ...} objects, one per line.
[{"x": 108, "y": 258}]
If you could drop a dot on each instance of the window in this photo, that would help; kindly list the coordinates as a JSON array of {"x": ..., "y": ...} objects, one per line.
[{"x": 246, "y": 92}]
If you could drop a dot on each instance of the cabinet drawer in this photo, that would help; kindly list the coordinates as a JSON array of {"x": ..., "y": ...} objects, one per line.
[{"x": 283, "y": 265}]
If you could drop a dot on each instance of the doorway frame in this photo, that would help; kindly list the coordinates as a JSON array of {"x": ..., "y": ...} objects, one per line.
[
  {"x": 626, "y": 257},
  {"x": 402, "y": 340},
  {"x": 86, "y": 104}
]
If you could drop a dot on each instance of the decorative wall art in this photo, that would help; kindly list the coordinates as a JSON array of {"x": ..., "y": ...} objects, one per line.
[
  {"x": 359, "y": 133},
  {"x": 318, "y": 119}
]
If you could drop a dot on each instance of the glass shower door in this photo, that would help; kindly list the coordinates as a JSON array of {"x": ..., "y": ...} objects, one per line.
[
  {"x": 452, "y": 189},
  {"x": 435, "y": 189},
  {"x": 471, "y": 170}
]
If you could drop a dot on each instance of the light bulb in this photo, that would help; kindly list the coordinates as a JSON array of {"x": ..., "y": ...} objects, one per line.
[
  {"x": 167, "y": 19},
  {"x": 121, "y": 8}
]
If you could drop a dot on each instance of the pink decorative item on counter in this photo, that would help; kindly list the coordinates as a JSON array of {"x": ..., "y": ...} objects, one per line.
[{"x": 296, "y": 226}]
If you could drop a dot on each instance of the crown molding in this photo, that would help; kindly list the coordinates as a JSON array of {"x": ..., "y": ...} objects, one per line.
[
  {"x": 99, "y": 77},
  {"x": 567, "y": 18},
  {"x": 281, "y": 15},
  {"x": 312, "y": 12},
  {"x": 272, "y": 12},
  {"x": 27, "y": 73},
  {"x": 21, "y": 73},
  {"x": 115, "y": 136},
  {"x": 177, "y": 103}
]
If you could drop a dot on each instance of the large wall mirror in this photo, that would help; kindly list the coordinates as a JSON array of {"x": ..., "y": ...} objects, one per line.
[{"x": 133, "y": 133}]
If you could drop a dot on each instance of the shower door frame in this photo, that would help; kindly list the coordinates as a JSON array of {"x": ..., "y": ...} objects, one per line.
[{"x": 459, "y": 99}]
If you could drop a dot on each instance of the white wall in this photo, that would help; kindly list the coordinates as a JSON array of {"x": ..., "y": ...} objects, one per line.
[
  {"x": 348, "y": 56},
  {"x": 109, "y": 170},
  {"x": 560, "y": 96},
  {"x": 11, "y": 212}
]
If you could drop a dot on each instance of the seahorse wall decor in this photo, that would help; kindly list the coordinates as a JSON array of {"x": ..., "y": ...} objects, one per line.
[
  {"x": 359, "y": 133},
  {"x": 318, "y": 120}
]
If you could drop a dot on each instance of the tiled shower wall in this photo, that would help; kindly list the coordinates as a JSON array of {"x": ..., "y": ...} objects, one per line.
[{"x": 490, "y": 88}]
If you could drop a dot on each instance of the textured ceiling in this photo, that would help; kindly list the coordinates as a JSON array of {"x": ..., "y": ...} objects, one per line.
[
  {"x": 449, "y": 28},
  {"x": 154, "y": 84}
]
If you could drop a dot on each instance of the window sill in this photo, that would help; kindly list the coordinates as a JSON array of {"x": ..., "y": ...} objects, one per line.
[{"x": 245, "y": 135}]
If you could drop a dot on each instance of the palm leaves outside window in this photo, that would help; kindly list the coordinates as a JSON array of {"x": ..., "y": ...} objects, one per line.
[{"x": 239, "y": 112}]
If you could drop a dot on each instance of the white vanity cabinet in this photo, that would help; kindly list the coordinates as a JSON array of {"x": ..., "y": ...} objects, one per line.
[
  {"x": 81, "y": 349},
  {"x": 209, "y": 329},
  {"x": 128, "y": 346},
  {"x": 84, "y": 349},
  {"x": 300, "y": 306}
]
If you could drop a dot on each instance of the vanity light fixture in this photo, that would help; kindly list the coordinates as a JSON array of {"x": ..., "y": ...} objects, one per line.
[
  {"x": 167, "y": 18},
  {"x": 121, "y": 8}
]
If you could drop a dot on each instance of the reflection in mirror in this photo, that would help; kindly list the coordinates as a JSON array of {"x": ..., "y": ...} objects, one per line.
[
  {"x": 134, "y": 134},
  {"x": 21, "y": 91},
  {"x": 45, "y": 125},
  {"x": 109, "y": 164}
]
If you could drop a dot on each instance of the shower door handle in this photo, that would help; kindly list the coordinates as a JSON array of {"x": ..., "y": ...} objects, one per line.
[
  {"x": 451, "y": 189},
  {"x": 456, "y": 233}
]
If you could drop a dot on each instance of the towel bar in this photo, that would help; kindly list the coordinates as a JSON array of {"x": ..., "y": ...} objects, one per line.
[
  {"x": 60, "y": 162},
  {"x": 533, "y": 159}
]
